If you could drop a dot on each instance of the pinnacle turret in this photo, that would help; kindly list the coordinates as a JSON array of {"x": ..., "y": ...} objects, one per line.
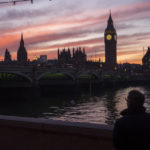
[
  {"x": 110, "y": 18},
  {"x": 22, "y": 41},
  {"x": 22, "y": 53},
  {"x": 110, "y": 22}
]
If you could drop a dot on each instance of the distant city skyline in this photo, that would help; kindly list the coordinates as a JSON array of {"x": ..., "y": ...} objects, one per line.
[{"x": 48, "y": 26}]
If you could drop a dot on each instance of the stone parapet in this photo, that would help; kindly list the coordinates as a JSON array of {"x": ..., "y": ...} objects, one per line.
[{"x": 17, "y": 133}]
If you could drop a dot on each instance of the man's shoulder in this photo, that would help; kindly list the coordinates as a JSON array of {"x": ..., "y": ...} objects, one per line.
[
  {"x": 121, "y": 121},
  {"x": 133, "y": 119},
  {"x": 147, "y": 114}
]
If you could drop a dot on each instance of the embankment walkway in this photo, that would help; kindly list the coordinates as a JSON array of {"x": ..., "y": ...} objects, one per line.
[{"x": 17, "y": 133}]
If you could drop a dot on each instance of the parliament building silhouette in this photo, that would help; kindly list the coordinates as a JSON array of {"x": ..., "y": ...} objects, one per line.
[{"x": 78, "y": 55}]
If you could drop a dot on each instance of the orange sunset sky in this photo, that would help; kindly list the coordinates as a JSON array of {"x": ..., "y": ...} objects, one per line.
[{"x": 47, "y": 26}]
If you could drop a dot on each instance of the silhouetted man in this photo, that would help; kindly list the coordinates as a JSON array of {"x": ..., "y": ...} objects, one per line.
[{"x": 132, "y": 131}]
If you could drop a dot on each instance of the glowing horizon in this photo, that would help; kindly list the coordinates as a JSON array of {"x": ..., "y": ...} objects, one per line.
[{"x": 48, "y": 26}]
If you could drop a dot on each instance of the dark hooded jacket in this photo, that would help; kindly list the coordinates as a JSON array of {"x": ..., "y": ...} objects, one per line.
[{"x": 132, "y": 131}]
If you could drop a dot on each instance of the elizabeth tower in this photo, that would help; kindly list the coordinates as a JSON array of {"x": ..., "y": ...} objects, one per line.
[{"x": 110, "y": 45}]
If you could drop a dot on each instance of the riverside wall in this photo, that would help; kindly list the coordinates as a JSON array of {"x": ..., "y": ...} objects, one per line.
[{"x": 17, "y": 133}]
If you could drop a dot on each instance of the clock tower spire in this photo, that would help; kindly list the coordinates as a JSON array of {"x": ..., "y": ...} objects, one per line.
[{"x": 110, "y": 36}]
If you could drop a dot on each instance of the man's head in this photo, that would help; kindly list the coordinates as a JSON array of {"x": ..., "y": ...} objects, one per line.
[{"x": 135, "y": 99}]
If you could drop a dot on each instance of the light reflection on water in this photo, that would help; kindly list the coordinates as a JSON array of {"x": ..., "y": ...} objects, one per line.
[{"x": 102, "y": 108}]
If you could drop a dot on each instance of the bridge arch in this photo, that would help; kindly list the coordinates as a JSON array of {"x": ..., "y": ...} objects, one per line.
[
  {"x": 19, "y": 74},
  {"x": 87, "y": 73},
  {"x": 65, "y": 73}
]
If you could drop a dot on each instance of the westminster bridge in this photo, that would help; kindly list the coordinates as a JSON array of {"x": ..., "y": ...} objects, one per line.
[{"x": 34, "y": 75}]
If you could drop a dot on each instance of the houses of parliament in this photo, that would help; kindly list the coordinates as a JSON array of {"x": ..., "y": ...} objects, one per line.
[
  {"x": 110, "y": 38},
  {"x": 78, "y": 55}
]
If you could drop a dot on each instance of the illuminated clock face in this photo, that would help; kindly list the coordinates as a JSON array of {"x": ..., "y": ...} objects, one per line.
[
  {"x": 109, "y": 37},
  {"x": 115, "y": 37}
]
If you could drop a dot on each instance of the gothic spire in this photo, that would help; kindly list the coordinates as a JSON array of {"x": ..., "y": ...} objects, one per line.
[
  {"x": 22, "y": 41},
  {"x": 21, "y": 36},
  {"x": 110, "y": 18},
  {"x": 110, "y": 22}
]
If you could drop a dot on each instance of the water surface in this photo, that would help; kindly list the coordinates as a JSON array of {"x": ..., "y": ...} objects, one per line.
[{"x": 103, "y": 107}]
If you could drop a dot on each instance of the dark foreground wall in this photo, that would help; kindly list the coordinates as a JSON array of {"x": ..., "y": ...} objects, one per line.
[{"x": 40, "y": 134}]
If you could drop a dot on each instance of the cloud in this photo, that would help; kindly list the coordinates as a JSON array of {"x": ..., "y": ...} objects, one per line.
[{"x": 47, "y": 28}]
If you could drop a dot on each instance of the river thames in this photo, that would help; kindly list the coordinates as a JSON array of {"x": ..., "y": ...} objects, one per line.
[{"x": 102, "y": 106}]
